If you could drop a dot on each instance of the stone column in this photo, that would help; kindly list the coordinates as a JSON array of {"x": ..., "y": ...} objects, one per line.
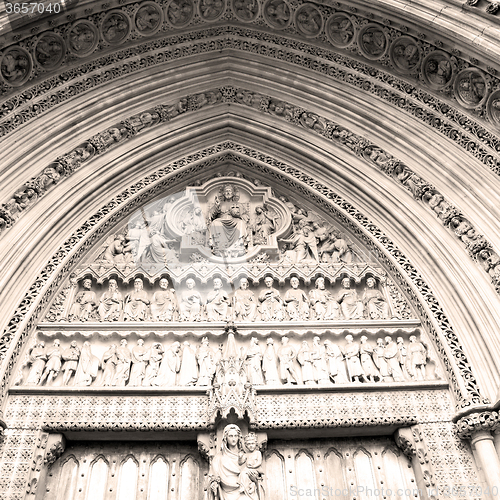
[
  {"x": 409, "y": 440},
  {"x": 478, "y": 427}
]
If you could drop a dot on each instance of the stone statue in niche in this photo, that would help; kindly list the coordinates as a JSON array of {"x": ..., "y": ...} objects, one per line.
[
  {"x": 235, "y": 473},
  {"x": 380, "y": 361},
  {"x": 228, "y": 231},
  {"x": 110, "y": 305},
  {"x": 136, "y": 303},
  {"x": 253, "y": 362},
  {"x": 191, "y": 302},
  {"x": 124, "y": 358},
  {"x": 287, "y": 357},
  {"x": 403, "y": 357},
  {"x": 366, "y": 356},
  {"x": 155, "y": 355},
  {"x": 217, "y": 302},
  {"x": 109, "y": 362},
  {"x": 244, "y": 302},
  {"x": 163, "y": 303},
  {"x": 37, "y": 360},
  {"x": 305, "y": 361},
  {"x": 391, "y": 355},
  {"x": 140, "y": 357},
  {"x": 264, "y": 224},
  {"x": 53, "y": 366},
  {"x": 170, "y": 367},
  {"x": 70, "y": 356},
  {"x": 271, "y": 303},
  {"x": 324, "y": 305},
  {"x": 188, "y": 373},
  {"x": 335, "y": 363},
  {"x": 83, "y": 309},
  {"x": 270, "y": 364},
  {"x": 376, "y": 306},
  {"x": 296, "y": 302},
  {"x": 88, "y": 366},
  {"x": 206, "y": 365},
  {"x": 318, "y": 358},
  {"x": 303, "y": 243},
  {"x": 417, "y": 354},
  {"x": 354, "y": 369},
  {"x": 351, "y": 306}
]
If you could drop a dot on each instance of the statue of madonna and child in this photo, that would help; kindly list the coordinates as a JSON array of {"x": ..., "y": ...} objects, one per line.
[{"x": 236, "y": 469}]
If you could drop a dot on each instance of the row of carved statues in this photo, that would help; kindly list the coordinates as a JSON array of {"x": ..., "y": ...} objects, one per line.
[
  {"x": 244, "y": 305},
  {"x": 189, "y": 365}
]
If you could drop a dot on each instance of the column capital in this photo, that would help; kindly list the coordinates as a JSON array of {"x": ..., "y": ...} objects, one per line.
[{"x": 474, "y": 423}]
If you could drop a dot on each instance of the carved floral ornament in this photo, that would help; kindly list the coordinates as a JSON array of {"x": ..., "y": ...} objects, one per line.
[
  {"x": 476, "y": 244},
  {"x": 20, "y": 326}
]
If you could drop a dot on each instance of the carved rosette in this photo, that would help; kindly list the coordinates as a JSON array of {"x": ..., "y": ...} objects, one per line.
[
  {"x": 49, "y": 50},
  {"x": 475, "y": 422},
  {"x": 15, "y": 66},
  {"x": 82, "y": 38},
  {"x": 373, "y": 41},
  {"x": 148, "y": 18},
  {"x": 340, "y": 30}
]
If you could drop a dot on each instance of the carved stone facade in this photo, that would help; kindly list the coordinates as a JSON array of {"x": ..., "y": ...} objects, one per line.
[{"x": 258, "y": 237}]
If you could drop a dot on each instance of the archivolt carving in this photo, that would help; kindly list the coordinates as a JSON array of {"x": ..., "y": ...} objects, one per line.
[
  {"x": 476, "y": 244},
  {"x": 466, "y": 389}
]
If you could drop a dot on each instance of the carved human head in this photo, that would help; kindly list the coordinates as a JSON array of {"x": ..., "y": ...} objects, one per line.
[
  {"x": 349, "y": 339},
  {"x": 228, "y": 191},
  {"x": 57, "y": 343},
  {"x": 269, "y": 281},
  {"x": 231, "y": 437},
  {"x": 251, "y": 441},
  {"x": 164, "y": 283},
  {"x": 413, "y": 338},
  {"x": 113, "y": 284},
  {"x": 320, "y": 283},
  {"x": 204, "y": 341},
  {"x": 217, "y": 283},
  {"x": 388, "y": 339},
  {"x": 190, "y": 283},
  {"x": 87, "y": 283},
  {"x": 254, "y": 341},
  {"x": 370, "y": 282},
  {"x": 346, "y": 283},
  {"x": 140, "y": 342},
  {"x": 74, "y": 344},
  {"x": 270, "y": 341},
  {"x": 294, "y": 282},
  {"x": 138, "y": 283},
  {"x": 400, "y": 340},
  {"x": 380, "y": 342},
  {"x": 284, "y": 340},
  {"x": 176, "y": 346},
  {"x": 123, "y": 342},
  {"x": 327, "y": 342},
  {"x": 363, "y": 339},
  {"x": 243, "y": 283}
]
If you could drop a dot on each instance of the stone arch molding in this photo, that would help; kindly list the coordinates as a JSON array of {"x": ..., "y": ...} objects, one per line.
[
  {"x": 480, "y": 250},
  {"x": 42, "y": 291}
]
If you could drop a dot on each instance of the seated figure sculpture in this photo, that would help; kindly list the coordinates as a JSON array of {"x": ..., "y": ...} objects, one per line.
[
  {"x": 244, "y": 302},
  {"x": 136, "y": 303},
  {"x": 163, "y": 303},
  {"x": 85, "y": 303},
  {"x": 351, "y": 306},
  {"x": 296, "y": 301},
  {"x": 217, "y": 302},
  {"x": 110, "y": 304},
  {"x": 191, "y": 302},
  {"x": 375, "y": 304},
  {"x": 271, "y": 308},
  {"x": 324, "y": 305}
]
